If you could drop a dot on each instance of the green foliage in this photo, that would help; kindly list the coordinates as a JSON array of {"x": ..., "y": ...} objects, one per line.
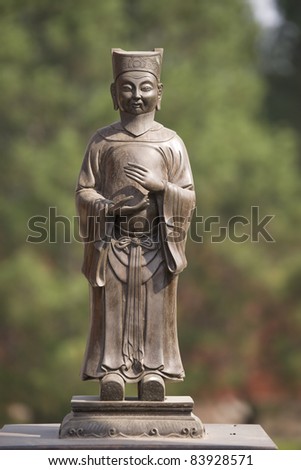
[{"x": 239, "y": 303}]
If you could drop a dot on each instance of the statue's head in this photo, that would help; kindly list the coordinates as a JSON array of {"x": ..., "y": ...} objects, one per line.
[{"x": 137, "y": 88}]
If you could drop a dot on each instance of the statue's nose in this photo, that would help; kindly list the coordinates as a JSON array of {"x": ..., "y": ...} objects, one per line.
[{"x": 136, "y": 93}]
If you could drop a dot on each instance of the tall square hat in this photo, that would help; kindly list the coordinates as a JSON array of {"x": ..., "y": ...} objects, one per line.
[{"x": 143, "y": 61}]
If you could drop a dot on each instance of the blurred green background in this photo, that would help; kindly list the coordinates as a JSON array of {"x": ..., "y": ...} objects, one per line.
[{"x": 232, "y": 91}]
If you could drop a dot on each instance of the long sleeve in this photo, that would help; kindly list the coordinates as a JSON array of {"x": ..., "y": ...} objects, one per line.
[
  {"x": 178, "y": 202},
  {"x": 93, "y": 222}
]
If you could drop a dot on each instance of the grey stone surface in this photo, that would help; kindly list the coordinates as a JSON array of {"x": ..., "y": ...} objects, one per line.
[{"x": 217, "y": 436}]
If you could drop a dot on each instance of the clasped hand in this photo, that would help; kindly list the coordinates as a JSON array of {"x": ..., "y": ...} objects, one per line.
[
  {"x": 144, "y": 176},
  {"x": 121, "y": 208},
  {"x": 147, "y": 179}
]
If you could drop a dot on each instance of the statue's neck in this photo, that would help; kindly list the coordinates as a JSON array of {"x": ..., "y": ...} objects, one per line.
[{"x": 137, "y": 124}]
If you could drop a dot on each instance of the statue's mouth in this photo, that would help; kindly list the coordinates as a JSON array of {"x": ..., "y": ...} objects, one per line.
[{"x": 137, "y": 105}]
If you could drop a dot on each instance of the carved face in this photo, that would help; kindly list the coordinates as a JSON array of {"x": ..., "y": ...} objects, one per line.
[{"x": 137, "y": 92}]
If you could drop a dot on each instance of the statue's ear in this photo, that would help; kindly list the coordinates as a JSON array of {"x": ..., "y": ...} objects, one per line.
[
  {"x": 114, "y": 97},
  {"x": 160, "y": 91}
]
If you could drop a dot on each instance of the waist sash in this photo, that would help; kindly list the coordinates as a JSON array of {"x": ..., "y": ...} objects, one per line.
[{"x": 135, "y": 249}]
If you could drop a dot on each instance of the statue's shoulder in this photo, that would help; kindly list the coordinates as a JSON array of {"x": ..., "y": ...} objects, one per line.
[
  {"x": 160, "y": 133},
  {"x": 103, "y": 133},
  {"x": 170, "y": 136}
]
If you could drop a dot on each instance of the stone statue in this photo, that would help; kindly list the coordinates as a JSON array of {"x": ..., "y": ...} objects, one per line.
[{"x": 134, "y": 197}]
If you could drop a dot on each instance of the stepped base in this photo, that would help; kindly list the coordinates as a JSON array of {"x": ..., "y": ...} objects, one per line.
[{"x": 131, "y": 418}]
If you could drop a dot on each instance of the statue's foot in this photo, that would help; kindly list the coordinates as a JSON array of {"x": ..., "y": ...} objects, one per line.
[
  {"x": 112, "y": 388},
  {"x": 151, "y": 388}
]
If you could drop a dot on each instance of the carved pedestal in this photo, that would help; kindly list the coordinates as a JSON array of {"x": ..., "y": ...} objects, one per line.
[{"x": 92, "y": 418}]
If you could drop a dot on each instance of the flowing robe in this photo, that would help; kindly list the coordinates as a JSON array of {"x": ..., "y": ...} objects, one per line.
[{"x": 132, "y": 262}]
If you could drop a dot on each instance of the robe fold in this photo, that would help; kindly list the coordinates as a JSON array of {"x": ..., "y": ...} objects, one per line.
[{"x": 132, "y": 262}]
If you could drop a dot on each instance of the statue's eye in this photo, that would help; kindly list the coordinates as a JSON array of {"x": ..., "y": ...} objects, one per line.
[
  {"x": 146, "y": 88},
  {"x": 126, "y": 88}
]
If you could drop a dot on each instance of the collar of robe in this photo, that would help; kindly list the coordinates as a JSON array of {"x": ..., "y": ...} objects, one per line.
[{"x": 137, "y": 125}]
